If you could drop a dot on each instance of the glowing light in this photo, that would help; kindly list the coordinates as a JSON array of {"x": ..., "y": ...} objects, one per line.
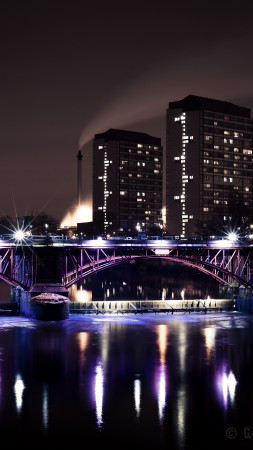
[
  {"x": 99, "y": 394},
  {"x": 137, "y": 396},
  {"x": 80, "y": 214},
  {"x": 162, "y": 251},
  {"x": 83, "y": 296},
  {"x": 162, "y": 341},
  {"x": 182, "y": 294},
  {"x": 83, "y": 339},
  {"x": 162, "y": 391},
  {"x": 226, "y": 385},
  {"x": 19, "y": 389},
  {"x": 232, "y": 237},
  {"x": 209, "y": 335},
  {"x": 19, "y": 235},
  {"x": 164, "y": 215}
]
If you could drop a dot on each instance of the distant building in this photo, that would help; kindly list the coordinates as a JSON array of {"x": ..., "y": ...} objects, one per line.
[
  {"x": 127, "y": 183},
  {"x": 85, "y": 230},
  {"x": 208, "y": 163}
]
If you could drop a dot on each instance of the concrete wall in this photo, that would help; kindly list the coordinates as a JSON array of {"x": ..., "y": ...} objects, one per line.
[{"x": 244, "y": 301}]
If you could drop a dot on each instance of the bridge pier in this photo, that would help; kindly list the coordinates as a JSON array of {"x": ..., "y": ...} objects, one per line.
[
  {"x": 23, "y": 297},
  {"x": 244, "y": 301}
]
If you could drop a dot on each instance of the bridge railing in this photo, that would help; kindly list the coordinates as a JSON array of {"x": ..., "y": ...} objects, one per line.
[{"x": 151, "y": 306}]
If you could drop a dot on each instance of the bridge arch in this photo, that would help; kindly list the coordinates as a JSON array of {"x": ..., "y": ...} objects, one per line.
[{"x": 220, "y": 274}]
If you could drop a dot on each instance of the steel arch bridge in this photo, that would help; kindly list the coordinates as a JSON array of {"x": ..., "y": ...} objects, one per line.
[{"x": 22, "y": 264}]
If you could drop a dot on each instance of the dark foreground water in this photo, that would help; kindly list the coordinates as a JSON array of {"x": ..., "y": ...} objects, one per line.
[{"x": 127, "y": 382}]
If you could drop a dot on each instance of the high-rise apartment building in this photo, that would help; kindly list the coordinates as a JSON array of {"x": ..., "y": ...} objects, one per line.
[
  {"x": 127, "y": 182},
  {"x": 208, "y": 163}
]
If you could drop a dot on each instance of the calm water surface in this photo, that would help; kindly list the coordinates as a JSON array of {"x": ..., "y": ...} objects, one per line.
[{"x": 151, "y": 381}]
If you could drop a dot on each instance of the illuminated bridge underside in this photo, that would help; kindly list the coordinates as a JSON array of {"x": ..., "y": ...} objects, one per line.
[
  {"x": 18, "y": 264},
  {"x": 224, "y": 265}
]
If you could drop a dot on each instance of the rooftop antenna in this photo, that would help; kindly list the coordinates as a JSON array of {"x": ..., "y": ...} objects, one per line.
[{"x": 79, "y": 178}]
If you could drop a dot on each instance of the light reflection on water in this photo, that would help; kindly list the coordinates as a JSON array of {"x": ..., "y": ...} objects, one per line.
[{"x": 159, "y": 381}]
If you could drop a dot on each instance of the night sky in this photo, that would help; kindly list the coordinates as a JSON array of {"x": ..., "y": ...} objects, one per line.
[{"x": 72, "y": 69}]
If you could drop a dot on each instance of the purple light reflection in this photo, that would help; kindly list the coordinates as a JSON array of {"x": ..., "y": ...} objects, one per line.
[
  {"x": 225, "y": 386},
  {"x": 161, "y": 381},
  {"x": 99, "y": 393}
]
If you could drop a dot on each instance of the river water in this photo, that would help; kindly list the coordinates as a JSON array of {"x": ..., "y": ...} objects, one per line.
[
  {"x": 127, "y": 382},
  {"x": 146, "y": 281}
]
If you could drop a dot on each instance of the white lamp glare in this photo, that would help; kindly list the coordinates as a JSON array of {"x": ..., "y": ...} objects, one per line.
[{"x": 19, "y": 235}]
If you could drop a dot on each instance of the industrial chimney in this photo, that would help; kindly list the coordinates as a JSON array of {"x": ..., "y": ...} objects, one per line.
[{"x": 79, "y": 178}]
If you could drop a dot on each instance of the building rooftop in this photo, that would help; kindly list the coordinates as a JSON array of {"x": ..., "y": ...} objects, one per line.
[
  {"x": 128, "y": 136},
  {"x": 196, "y": 103}
]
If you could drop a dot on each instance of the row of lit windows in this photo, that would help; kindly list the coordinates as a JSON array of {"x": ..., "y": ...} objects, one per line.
[
  {"x": 215, "y": 162},
  {"x": 154, "y": 213},
  {"x": 209, "y": 209},
  {"x": 227, "y": 160},
  {"x": 228, "y": 193},
  {"x": 215, "y": 116},
  {"x": 243, "y": 172},
  {"x": 139, "y": 194},
  {"x": 210, "y": 186},
  {"x": 219, "y": 140},
  {"x": 231, "y": 151},
  {"x": 143, "y": 173}
]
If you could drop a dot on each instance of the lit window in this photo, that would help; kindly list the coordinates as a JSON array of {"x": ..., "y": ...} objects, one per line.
[{"x": 247, "y": 152}]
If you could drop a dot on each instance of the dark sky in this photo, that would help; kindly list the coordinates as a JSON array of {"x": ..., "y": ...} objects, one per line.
[{"x": 72, "y": 69}]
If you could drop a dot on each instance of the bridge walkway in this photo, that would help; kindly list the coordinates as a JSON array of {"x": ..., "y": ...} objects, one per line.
[{"x": 149, "y": 306}]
